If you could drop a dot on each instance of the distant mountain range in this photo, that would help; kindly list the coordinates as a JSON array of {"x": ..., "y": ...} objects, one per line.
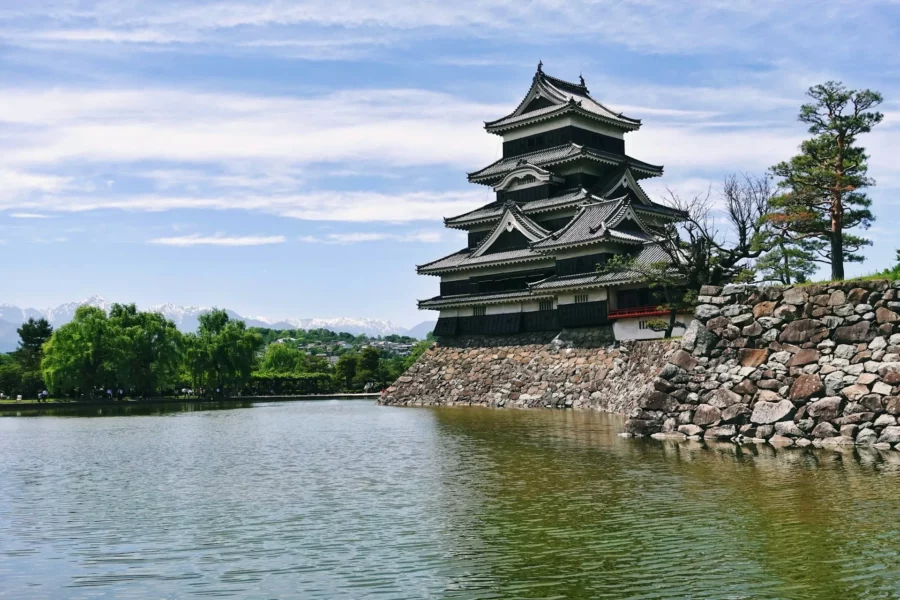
[{"x": 186, "y": 319}]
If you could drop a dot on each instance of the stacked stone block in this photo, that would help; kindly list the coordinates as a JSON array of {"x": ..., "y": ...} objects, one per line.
[
  {"x": 794, "y": 365},
  {"x": 576, "y": 369}
]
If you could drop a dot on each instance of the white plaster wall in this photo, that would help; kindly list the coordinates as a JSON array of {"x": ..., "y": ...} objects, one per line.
[
  {"x": 531, "y": 306},
  {"x": 629, "y": 329},
  {"x": 596, "y": 295}
]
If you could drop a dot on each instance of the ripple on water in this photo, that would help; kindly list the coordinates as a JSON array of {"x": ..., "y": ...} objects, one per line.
[{"x": 352, "y": 500}]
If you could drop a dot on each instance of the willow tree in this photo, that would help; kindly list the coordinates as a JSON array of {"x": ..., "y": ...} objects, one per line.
[{"x": 823, "y": 184}]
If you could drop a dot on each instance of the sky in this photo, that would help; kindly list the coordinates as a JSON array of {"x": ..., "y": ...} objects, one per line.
[{"x": 294, "y": 159}]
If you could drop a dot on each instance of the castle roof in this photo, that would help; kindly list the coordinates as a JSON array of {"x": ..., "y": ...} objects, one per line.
[
  {"x": 491, "y": 212},
  {"x": 649, "y": 254},
  {"x": 559, "y": 155},
  {"x": 511, "y": 219},
  {"x": 549, "y": 97},
  {"x": 599, "y": 222}
]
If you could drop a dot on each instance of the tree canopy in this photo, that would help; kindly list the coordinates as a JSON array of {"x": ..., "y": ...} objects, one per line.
[{"x": 824, "y": 184}]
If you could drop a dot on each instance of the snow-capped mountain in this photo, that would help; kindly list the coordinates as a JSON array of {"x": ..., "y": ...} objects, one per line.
[{"x": 186, "y": 318}]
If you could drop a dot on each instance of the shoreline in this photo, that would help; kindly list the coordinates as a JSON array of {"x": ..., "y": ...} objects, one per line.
[{"x": 34, "y": 404}]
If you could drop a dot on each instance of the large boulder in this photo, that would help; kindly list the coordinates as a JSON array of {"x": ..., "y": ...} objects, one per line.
[
  {"x": 752, "y": 357},
  {"x": 736, "y": 413},
  {"x": 855, "y": 392},
  {"x": 890, "y": 435},
  {"x": 771, "y": 412},
  {"x": 892, "y": 405},
  {"x": 800, "y": 331},
  {"x": 720, "y": 432},
  {"x": 806, "y": 386},
  {"x": 657, "y": 400},
  {"x": 825, "y": 409},
  {"x": 698, "y": 339},
  {"x": 684, "y": 360},
  {"x": 866, "y": 437},
  {"x": 886, "y": 315},
  {"x": 690, "y": 429},
  {"x": 858, "y": 332},
  {"x": 722, "y": 398},
  {"x": 764, "y": 309},
  {"x": 824, "y": 430},
  {"x": 707, "y": 415},
  {"x": 796, "y": 296},
  {"x": 804, "y": 357},
  {"x": 707, "y": 311}
]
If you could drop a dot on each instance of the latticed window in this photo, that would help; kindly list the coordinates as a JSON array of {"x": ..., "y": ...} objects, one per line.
[
  {"x": 546, "y": 305},
  {"x": 479, "y": 311},
  {"x": 581, "y": 298}
]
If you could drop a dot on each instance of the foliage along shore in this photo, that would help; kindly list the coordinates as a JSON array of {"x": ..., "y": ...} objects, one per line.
[{"x": 132, "y": 354}]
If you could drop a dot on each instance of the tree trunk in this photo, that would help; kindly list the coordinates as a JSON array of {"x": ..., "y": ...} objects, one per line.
[
  {"x": 837, "y": 251},
  {"x": 786, "y": 274},
  {"x": 672, "y": 316}
]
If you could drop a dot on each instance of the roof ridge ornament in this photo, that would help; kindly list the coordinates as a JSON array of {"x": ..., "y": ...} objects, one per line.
[
  {"x": 540, "y": 68},
  {"x": 601, "y": 228},
  {"x": 581, "y": 80}
]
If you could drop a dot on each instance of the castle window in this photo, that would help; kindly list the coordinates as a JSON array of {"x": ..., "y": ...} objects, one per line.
[
  {"x": 546, "y": 305},
  {"x": 479, "y": 311},
  {"x": 581, "y": 298}
]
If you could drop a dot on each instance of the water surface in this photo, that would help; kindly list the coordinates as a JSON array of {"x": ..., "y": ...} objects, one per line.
[{"x": 346, "y": 499}]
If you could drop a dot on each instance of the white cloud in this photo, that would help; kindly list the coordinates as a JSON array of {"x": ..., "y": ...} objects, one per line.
[
  {"x": 319, "y": 206},
  {"x": 396, "y": 126},
  {"x": 219, "y": 240},
  {"x": 645, "y": 25},
  {"x": 427, "y": 237},
  {"x": 23, "y": 215}
]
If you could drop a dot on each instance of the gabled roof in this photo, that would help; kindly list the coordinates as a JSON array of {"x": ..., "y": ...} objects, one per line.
[
  {"x": 491, "y": 212},
  {"x": 526, "y": 169},
  {"x": 512, "y": 219},
  {"x": 487, "y": 298},
  {"x": 649, "y": 254},
  {"x": 598, "y": 222},
  {"x": 559, "y": 155},
  {"x": 623, "y": 181},
  {"x": 556, "y": 97},
  {"x": 463, "y": 260}
]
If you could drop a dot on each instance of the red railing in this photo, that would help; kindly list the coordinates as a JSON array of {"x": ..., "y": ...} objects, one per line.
[{"x": 639, "y": 311}]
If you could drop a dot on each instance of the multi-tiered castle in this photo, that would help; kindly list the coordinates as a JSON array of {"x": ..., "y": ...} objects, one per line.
[{"x": 568, "y": 197}]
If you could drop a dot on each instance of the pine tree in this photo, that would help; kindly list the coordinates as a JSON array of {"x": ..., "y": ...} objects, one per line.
[
  {"x": 823, "y": 183},
  {"x": 789, "y": 262}
]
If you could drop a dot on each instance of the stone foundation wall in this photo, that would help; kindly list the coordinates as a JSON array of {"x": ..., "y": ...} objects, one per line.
[
  {"x": 578, "y": 368},
  {"x": 817, "y": 364}
]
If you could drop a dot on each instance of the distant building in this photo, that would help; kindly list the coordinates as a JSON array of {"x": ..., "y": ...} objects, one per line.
[{"x": 567, "y": 198}]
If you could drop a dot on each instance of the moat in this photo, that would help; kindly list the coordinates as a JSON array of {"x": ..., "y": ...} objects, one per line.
[{"x": 347, "y": 499}]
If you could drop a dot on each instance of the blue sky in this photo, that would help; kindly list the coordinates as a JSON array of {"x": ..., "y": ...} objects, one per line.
[{"x": 293, "y": 159}]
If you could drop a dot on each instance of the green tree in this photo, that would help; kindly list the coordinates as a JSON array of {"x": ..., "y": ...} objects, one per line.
[
  {"x": 345, "y": 369},
  {"x": 32, "y": 336},
  {"x": 10, "y": 375},
  {"x": 788, "y": 261},
  {"x": 153, "y": 347},
  {"x": 282, "y": 359},
  {"x": 823, "y": 183},
  {"x": 368, "y": 359},
  {"x": 83, "y": 355},
  {"x": 222, "y": 354}
]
